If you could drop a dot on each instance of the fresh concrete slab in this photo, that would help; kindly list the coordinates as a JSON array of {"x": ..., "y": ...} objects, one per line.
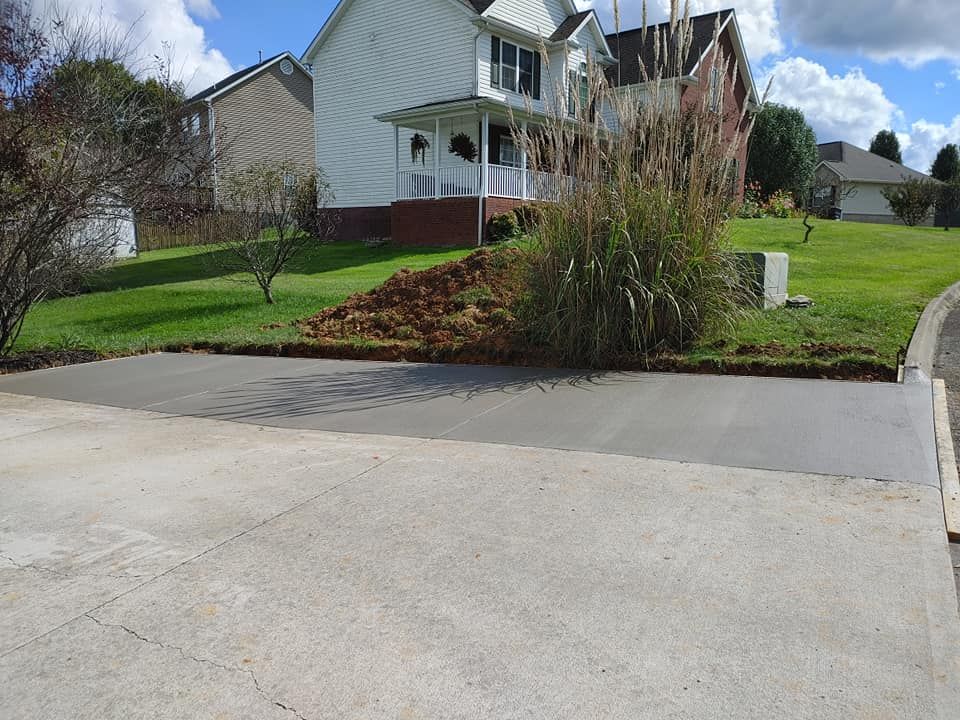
[
  {"x": 305, "y": 574},
  {"x": 881, "y": 431}
]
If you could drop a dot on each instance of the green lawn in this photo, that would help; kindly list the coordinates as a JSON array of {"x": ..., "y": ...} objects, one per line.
[
  {"x": 174, "y": 297},
  {"x": 869, "y": 282}
]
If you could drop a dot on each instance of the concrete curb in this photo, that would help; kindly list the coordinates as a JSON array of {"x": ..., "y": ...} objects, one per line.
[
  {"x": 922, "y": 353},
  {"x": 949, "y": 477}
]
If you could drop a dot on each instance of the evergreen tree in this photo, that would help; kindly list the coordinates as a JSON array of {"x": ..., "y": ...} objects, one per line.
[
  {"x": 885, "y": 144},
  {"x": 946, "y": 168}
]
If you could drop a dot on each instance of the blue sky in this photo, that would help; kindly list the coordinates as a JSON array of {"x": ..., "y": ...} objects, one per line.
[{"x": 854, "y": 67}]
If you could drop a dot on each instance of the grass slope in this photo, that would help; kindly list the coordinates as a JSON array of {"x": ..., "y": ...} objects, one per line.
[
  {"x": 174, "y": 297},
  {"x": 870, "y": 284}
]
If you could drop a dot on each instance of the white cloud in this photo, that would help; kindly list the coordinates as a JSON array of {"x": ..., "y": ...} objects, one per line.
[
  {"x": 956, "y": 73},
  {"x": 853, "y": 108},
  {"x": 912, "y": 33},
  {"x": 923, "y": 142},
  {"x": 162, "y": 28},
  {"x": 848, "y": 107},
  {"x": 204, "y": 9},
  {"x": 758, "y": 19}
]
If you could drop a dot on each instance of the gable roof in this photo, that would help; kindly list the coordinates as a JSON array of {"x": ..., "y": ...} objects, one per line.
[
  {"x": 637, "y": 52},
  {"x": 853, "y": 163},
  {"x": 570, "y": 26},
  {"x": 479, "y": 5},
  {"x": 229, "y": 82}
]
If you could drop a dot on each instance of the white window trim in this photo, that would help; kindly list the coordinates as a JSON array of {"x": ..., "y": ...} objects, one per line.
[{"x": 498, "y": 83}]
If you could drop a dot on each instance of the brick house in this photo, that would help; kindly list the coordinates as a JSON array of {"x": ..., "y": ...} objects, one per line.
[
  {"x": 263, "y": 113},
  {"x": 426, "y": 72}
]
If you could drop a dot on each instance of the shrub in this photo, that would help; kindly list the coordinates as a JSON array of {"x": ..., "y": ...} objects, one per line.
[
  {"x": 504, "y": 227},
  {"x": 528, "y": 217},
  {"x": 751, "y": 208},
  {"x": 634, "y": 256},
  {"x": 781, "y": 205},
  {"x": 912, "y": 200},
  {"x": 311, "y": 193}
]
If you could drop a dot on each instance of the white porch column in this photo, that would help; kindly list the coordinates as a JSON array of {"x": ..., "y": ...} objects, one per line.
[
  {"x": 485, "y": 156},
  {"x": 436, "y": 159},
  {"x": 523, "y": 161},
  {"x": 396, "y": 159}
]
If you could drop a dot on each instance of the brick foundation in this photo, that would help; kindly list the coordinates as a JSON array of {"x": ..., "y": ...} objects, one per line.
[
  {"x": 447, "y": 222},
  {"x": 360, "y": 223}
]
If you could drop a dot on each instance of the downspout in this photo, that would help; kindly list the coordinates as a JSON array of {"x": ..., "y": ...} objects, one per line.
[
  {"x": 212, "y": 125},
  {"x": 476, "y": 93}
]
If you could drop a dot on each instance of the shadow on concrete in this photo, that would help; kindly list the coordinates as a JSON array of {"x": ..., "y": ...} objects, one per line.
[{"x": 380, "y": 387}]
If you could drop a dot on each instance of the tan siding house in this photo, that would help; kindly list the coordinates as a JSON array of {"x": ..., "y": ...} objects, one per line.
[{"x": 261, "y": 114}]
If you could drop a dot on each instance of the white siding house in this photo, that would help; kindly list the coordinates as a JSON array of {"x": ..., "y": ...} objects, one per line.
[{"x": 395, "y": 83}]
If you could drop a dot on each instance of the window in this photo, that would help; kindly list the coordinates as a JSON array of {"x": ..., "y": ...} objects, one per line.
[
  {"x": 508, "y": 79},
  {"x": 515, "y": 68},
  {"x": 190, "y": 124},
  {"x": 716, "y": 89},
  {"x": 509, "y": 153},
  {"x": 289, "y": 184},
  {"x": 578, "y": 89}
]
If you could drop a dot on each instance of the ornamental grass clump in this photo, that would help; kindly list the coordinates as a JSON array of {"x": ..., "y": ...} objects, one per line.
[{"x": 633, "y": 257}]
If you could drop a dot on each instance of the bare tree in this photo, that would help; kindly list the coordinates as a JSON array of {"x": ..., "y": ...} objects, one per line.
[
  {"x": 271, "y": 213},
  {"x": 823, "y": 197},
  {"x": 77, "y": 154}
]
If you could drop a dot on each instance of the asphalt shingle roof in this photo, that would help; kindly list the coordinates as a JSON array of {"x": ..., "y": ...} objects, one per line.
[
  {"x": 570, "y": 25},
  {"x": 636, "y": 52},
  {"x": 853, "y": 163},
  {"x": 479, "y": 5}
]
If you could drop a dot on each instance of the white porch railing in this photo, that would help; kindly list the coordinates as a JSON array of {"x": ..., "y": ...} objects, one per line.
[
  {"x": 457, "y": 181},
  {"x": 465, "y": 181}
]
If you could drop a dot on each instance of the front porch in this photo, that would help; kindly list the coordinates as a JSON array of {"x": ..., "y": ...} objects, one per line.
[{"x": 463, "y": 156}]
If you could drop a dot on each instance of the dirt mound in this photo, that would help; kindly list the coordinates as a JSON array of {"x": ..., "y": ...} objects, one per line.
[{"x": 457, "y": 303}]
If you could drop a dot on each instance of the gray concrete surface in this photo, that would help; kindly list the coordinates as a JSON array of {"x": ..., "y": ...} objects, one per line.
[
  {"x": 181, "y": 567},
  {"x": 921, "y": 360},
  {"x": 880, "y": 431}
]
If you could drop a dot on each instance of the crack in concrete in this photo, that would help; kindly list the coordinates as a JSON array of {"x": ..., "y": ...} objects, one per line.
[
  {"x": 202, "y": 661},
  {"x": 69, "y": 575}
]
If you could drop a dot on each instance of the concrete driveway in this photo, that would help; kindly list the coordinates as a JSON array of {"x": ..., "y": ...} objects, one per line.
[{"x": 168, "y": 563}]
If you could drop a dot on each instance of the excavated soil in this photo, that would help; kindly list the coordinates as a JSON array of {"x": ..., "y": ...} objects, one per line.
[{"x": 462, "y": 312}]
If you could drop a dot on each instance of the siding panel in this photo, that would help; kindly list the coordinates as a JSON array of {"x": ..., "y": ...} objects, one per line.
[
  {"x": 268, "y": 118},
  {"x": 536, "y": 16},
  {"x": 378, "y": 58}
]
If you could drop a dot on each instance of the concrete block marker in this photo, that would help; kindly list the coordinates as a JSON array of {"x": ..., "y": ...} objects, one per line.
[{"x": 949, "y": 478}]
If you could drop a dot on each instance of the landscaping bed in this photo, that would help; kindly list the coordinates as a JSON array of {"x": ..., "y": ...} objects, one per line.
[
  {"x": 869, "y": 284},
  {"x": 463, "y": 312}
]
